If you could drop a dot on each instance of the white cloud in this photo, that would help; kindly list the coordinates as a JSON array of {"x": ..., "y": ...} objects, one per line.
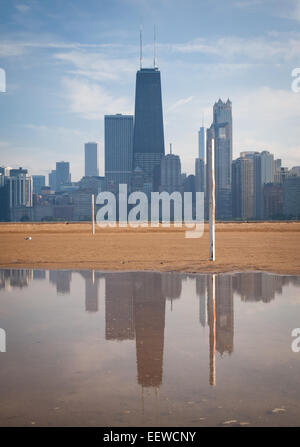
[
  {"x": 23, "y": 8},
  {"x": 179, "y": 103},
  {"x": 8, "y": 49},
  {"x": 262, "y": 48},
  {"x": 98, "y": 66},
  {"x": 92, "y": 101},
  {"x": 55, "y": 129}
]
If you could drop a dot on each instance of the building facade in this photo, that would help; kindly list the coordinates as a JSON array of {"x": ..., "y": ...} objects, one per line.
[
  {"x": 291, "y": 196},
  {"x": 91, "y": 159},
  {"x": 118, "y": 149},
  {"x": 20, "y": 188},
  {"x": 263, "y": 173},
  {"x": 242, "y": 188},
  {"x": 221, "y": 132},
  {"x": 148, "y": 136},
  {"x": 63, "y": 175},
  {"x": 38, "y": 182}
]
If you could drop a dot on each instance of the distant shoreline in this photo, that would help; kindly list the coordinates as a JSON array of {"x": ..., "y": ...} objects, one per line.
[{"x": 272, "y": 247}]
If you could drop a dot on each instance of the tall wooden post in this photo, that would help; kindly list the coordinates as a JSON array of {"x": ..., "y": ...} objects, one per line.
[
  {"x": 93, "y": 214},
  {"x": 212, "y": 202}
]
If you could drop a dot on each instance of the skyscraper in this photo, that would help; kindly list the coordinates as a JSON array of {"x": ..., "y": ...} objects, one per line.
[
  {"x": 242, "y": 188},
  {"x": 199, "y": 175},
  {"x": 20, "y": 188},
  {"x": 201, "y": 143},
  {"x": 63, "y": 175},
  {"x": 118, "y": 148},
  {"x": 52, "y": 180},
  {"x": 263, "y": 173},
  {"x": 170, "y": 173},
  {"x": 291, "y": 196},
  {"x": 148, "y": 136},
  {"x": 91, "y": 159},
  {"x": 221, "y": 131},
  {"x": 38, "y": 183}
]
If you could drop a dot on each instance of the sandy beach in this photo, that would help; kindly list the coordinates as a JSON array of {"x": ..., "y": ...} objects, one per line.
[{"x": 273, "y": 247}]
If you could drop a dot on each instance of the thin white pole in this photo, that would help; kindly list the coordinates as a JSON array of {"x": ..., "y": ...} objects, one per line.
[
  {"x": 93, "y": 214},
  {"x": 212, "y": 203}
]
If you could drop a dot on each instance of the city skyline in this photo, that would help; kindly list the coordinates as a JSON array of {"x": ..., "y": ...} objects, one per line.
[{"x": 57, "y": 107}]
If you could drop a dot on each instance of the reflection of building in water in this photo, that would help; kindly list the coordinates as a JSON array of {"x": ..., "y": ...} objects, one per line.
[
  {"x": 135, "y": 307},
  {"x": 62, "y": 279},
  {"x": 171, "y": 286},
  {"x": 149, "y": 310},
  {"x": 119, "y": 315},
  {"x": 258, "y": 286},
  {"x": 20, "y": 278},
  {"x": 4, "y": 279},
  {"x": 39, "y": 274},
  {"x": 93, "y": 286},
  {"x": 201, "y": 281},
  {"x": 224, "y": 314},
  {"x": 91, "y": 292}
]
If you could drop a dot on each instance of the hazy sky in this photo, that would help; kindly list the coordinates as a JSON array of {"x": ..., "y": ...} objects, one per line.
[{"x": 70, "y": 62}]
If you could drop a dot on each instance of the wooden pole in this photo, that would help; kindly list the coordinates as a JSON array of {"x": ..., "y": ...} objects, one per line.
[
  {"x": 93, "y": 215},
  {"x": 212, "y": 203}
]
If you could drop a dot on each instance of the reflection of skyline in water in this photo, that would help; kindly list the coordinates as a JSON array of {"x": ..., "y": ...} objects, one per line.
[{"x": 135, "y": 306}]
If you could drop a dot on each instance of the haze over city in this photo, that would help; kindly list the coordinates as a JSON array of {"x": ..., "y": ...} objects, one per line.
[{"x": 77, "y": 61}]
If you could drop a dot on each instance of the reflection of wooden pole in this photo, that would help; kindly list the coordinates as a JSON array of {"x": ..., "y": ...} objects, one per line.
[
  {"x": 212, "y": 203},
  {"x": 212, "y": 330},
  {"x": 93, "y": 215}
]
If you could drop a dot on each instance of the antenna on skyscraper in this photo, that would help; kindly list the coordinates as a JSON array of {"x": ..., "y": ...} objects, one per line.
[
  {"x": 141, "y": 46},
  {"x": 171, "y": 148},
  {"x": 154, "y": 43}
]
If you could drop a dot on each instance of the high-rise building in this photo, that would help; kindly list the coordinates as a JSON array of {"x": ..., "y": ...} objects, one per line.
[
  {"x": 273, "y": 200},
  {"x": 148, "y": 136},
  {"x": 20, "y": 188},
  {"x": 52, "y": 180},
  {"x": 5, "y": 171},
  {"x": 63, "y": 175},
  {"x": 170, "y": 173},
  {"x": 291, "y": 196},
  {"x": 38, "y": 183},
  {"x": 242, "y": 188},
  {"x": 118, "y": 148},
  {"x": 199, "y": 175},
  {"x": 91, "y": 160},
  {"x": 295, "y": 170},
  {"x": 201, "y": 143},
  {"x": 221, "y": 131},
  {"x": 263, "y": 173}
]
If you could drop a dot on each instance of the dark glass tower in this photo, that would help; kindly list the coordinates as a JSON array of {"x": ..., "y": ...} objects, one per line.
[{"x": 148, "y": 136}]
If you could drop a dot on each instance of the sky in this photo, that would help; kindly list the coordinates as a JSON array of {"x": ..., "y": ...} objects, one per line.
[{"x": 68, "y": 63}]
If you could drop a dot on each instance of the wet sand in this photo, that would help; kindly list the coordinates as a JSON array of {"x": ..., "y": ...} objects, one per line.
[{"x": 273, "y": 247}]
